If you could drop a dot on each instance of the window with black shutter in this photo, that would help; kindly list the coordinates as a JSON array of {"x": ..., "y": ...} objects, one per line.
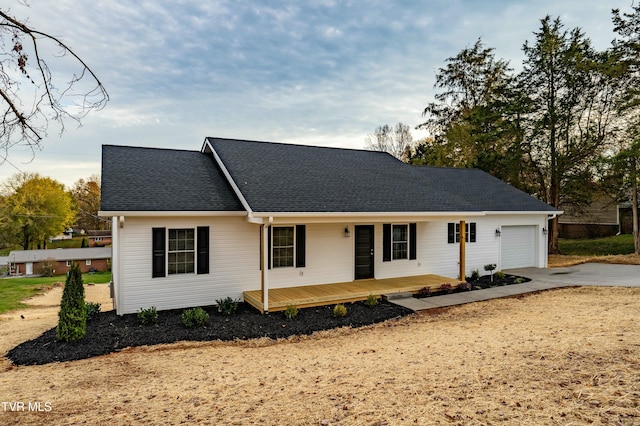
[
  {"x": 301, "y": 236},
  {"x": 399, "y": 241},
  {"x": 453, "y": 232},
  {"x": 386, "y": 242},
  {"x": 287, "y": 246},
  {"x": 203, "y": 250},
  {"x": 180, "y": 251},
  {"x": 159, "y": 255}
]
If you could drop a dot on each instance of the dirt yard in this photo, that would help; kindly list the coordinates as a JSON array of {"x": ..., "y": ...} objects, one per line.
[{"x": 561, "y": 357}]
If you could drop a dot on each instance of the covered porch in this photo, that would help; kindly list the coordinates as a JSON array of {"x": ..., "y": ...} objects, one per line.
[{"x": 352, "y": 291}]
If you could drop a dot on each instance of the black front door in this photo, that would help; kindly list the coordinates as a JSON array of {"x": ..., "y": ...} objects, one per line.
[{"x": 364, "y": 252}]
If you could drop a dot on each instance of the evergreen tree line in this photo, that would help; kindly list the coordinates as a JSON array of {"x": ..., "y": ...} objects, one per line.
[{"x": 564, "y": 127}]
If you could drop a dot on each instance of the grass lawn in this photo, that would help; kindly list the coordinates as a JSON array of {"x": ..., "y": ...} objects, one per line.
[
  {"x": 618, "y": 244},
  {"x": 14, "y": 290}
]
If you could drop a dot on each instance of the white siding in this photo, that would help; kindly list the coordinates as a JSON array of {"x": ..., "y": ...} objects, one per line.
[
  {"x": 234, "y": 255},
  {"x": 329, "y": 258}
]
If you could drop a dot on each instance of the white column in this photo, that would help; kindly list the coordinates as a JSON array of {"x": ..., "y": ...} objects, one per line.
[{"x": 265, "y": 268}]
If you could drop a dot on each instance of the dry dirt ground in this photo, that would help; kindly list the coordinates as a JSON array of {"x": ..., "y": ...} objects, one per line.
[
  {"x": 568, "y": 356},
  {"x": 556, "y": 260}
]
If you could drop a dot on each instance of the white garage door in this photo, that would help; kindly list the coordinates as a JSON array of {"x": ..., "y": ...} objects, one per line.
[{"x": 518, "y": 246}]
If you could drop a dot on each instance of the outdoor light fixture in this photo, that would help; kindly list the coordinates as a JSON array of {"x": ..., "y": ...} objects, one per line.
[
  {"x": 497, "y": 232},
  {"x": 544, "y": 231},
  {"x": 346, "y": 232}
]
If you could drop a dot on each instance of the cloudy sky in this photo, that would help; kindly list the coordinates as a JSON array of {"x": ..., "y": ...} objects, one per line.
[{"x": 317, "y": 72}]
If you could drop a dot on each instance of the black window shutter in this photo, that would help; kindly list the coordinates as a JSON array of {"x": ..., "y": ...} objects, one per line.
[
  {"x": 472, "y": 232},
  {"x": 386, "y": 242},
  {"x": 158, "y": 245},
  {"x": 412, "y": 241},
  {"x": 451, "y": 233},
  {"x": 301, "y": 239},
  {"x": 203, "y": 250},
  {"x": 269, "y": 248}
]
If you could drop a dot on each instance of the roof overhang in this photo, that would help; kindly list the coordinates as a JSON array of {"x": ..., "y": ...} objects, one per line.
[
  {"x": 324, "y": 217},
  {"x": 548, "y": 213},
  {"x": 181, "y": 213}
]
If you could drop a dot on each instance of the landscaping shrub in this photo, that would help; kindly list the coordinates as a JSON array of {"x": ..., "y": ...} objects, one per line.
[
  {"x": 519, "y": 280},
  {"x": 340, "y": 310},
  {"x": 148, "y": 316},
  {"x": 424, "y": 292},
  {"x": 499, "y": 275},
  {"x": 446, "y": 287},
  {"x": 464, "y": 286},
  {"x": 475, "y": 276},
  {"x": 47, "y": 268},
  {"x": 371, "y": 301},
  {"x": 227, "y": 306},
  {"x": 490, "y": 268},
  {"x": 194, "y": 317},
  {"x": 93, "y": 309},
  {"x": 72, "y": 317},
  {"x": 291, "y": 311}
]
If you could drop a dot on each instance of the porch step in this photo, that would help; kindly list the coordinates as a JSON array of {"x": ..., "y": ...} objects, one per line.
[{"x": 394, "y": 296}]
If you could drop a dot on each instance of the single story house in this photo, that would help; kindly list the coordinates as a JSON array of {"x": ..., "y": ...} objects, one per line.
[
  {"x": 4, "y": 265},
  {"x": 601, "y": 218},
  {"x": 31, "y": 262},
  {"x": 99, "y": 237},
  {"x": 191, "y": 227}
]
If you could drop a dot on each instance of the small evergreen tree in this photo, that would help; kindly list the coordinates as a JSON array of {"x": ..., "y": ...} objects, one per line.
[{"x": 72, "y": 318}]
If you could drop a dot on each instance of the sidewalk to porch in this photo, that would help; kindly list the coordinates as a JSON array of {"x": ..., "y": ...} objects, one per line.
[{"x": 352, "y": 291}]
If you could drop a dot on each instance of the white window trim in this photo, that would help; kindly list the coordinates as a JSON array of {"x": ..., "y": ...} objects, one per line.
[
  {"x": 87, "y": 262},
  {"x": 405, "y": 242},
  {"x": 467, "y": 233},
  {"x": 69, "y": 263},
  {"x": 194, "y": 250},
  {"x": 273, "y": 247}
]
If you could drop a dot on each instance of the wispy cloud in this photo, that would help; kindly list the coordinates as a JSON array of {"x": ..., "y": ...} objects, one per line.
[{"x": 324, "y": 72}]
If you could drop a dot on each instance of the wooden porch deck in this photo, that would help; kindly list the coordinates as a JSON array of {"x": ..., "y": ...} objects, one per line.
[{"x": 353, "y": 291}]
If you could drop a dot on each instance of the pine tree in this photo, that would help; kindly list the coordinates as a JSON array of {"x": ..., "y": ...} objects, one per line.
[{"x": 72, "y": 318}]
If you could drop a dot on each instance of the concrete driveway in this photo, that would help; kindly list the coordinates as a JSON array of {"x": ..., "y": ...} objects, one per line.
[
  {"x": 598, "y": 274},
  {"x": 588, "y": 274}
]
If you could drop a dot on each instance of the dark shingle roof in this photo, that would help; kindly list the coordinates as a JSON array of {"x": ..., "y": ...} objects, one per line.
[
  {"x": 483, "y": 191},
  {"x": 276, "y": 177},
  {"x": 150, "y": 179}
]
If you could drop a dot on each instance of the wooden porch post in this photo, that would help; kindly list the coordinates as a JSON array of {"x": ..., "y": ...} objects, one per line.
[
  {"x": 463, "y": 240},
  {"x": 265, "y": 268}
]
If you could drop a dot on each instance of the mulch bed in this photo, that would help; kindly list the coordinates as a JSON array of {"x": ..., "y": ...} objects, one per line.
[
  {"x": 479, "y": 284},
  {"x": 108, "y": 332}
]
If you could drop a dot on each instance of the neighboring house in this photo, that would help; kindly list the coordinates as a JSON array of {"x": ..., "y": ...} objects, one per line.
[
  {"x": 600, "y": 219},
  {"x": 31, "y": 262},
  {"x": 99, "y": 238},
  {"x": 67, "y": 235},
  {"x": 4, "y": 265},
  {"x": 191, "y": 227}
]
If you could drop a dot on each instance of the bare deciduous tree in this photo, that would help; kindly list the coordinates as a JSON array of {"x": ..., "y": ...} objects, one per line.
[
  {"x": 396, "y": 141},
  {"x": 32, "y": 95}
]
